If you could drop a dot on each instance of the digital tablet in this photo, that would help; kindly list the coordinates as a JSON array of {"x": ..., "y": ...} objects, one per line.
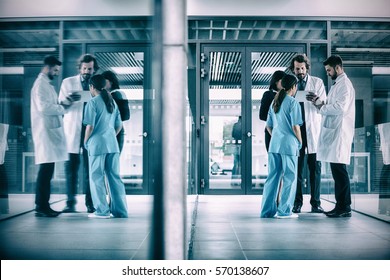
[
  {"x": 300, "y": 96},
  {"x": 85, "y": 95}
]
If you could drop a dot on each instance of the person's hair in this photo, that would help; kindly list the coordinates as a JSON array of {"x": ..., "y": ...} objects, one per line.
[
  {"x": 87, "y": 58},
  {"x": 109, "y": 75},
  {"x": 51, "y": 61},
  {"x": 333, "y": 61},
  {"x": 288, "y": 82},
  {"x": 276, "y": 76},
  {"x": 99, "y": 82},
  {"x": 300, "y": 58}
]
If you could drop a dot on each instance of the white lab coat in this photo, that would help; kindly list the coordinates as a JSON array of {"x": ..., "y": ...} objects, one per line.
[
  {"x": 384, "y": 136},
  {"x": 312, "y": 116},
  {"x": 3, "y": 141},
  {"x": 338, "y": 123},
  {"x": 74, "y": 116},
  {"x": 46, "y": 122}
]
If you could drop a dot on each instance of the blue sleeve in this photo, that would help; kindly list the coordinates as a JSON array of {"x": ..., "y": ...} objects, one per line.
[
  {"x": 89, "y": 114},
  {"x": 296, "y": 114}
]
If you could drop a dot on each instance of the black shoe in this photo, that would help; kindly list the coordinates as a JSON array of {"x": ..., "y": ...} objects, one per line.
[
  {"x": 339, "y": 214},
  {"x": 90, "y": 209},
  {"x": 317, "y": 209},
  {"x": 69, "y": 209},
  {"x": 297, "y": 209},
  {"x": 50, "y": 213},
  {"x": 330, "y": 212}
]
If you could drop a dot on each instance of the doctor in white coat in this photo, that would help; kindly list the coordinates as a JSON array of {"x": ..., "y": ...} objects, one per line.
[
  {"x": 310, "y": 130},
  {"x": 337, "y": 131},
  {"x": 74, "y": 131},
  {"x": 384, "y": 181},
  {"x": 47, "y": 132}
]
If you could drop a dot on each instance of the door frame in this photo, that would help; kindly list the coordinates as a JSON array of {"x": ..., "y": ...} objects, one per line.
[
  {"x": 147, "y": 142},
  {"x": 246, "y": 110}
]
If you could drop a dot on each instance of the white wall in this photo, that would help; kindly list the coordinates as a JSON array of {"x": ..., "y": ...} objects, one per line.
[
  {"x": 348, "y": 8},
  {"x": 328, "y": 8}
]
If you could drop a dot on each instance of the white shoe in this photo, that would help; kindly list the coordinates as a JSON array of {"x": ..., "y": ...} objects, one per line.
[
  {"x": 94, "y": 216},
  {"x": 292, "y": 216}
]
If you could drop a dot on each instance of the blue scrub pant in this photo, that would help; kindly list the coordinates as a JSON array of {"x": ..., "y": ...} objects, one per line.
[
  {"x": 280, "y": 168},
  {"x": 107, "y": 165}
]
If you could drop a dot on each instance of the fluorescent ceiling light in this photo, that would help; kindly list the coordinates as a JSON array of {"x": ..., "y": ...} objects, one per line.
[
  {"x": 11, "y": 70},
  {"x": 134, "y": 94},
  {"x": 11, "y": 50},
  {"x": 268, "y": 70},
  {"x": 377, "y": 50},
  {"x": 225, "y": 94},
  {"x": 357, "y": 62},
  {"x": 127, "y": 70},
  {"x": 381, "y": 70}
]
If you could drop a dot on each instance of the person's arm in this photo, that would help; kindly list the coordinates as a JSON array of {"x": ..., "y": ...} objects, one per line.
[
  {"x": 88, "y": 132},
  {"x": 297, "y": 132},
  {"x": 269, "y": 129},
  {"x": 118, "y": 121},
  {"x": 119, "y": 128},
  {"x": 265, "y": 104}
]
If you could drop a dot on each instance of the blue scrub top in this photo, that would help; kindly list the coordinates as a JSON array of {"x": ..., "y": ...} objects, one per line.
[
  {"x": 283, "y": 140},
  {"x": 103, "y": 137}
]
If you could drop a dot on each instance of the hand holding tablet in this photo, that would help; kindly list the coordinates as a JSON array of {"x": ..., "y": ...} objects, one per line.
[
  {"x": 80, "y": 96},
  {"x": 300, "y": 96}
]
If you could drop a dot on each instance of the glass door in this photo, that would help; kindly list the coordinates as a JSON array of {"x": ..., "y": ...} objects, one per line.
[
  {"x": 129, "y": 63},
  {"x": 233, "y": 79},
  {"x": 264, "y": 62},
  {"x": 221, "y": 121}
]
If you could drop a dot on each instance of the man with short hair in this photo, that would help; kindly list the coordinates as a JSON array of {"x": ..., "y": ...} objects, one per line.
[
  {"x": 300, "y": 65},
  {"x": 337, "y": 132},
  {"x": 74, "y": 131},
  {"x": 47, "y": 132}
]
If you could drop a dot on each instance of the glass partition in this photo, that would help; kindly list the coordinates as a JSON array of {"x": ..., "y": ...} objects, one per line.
[{"x": 369, "y": 172}]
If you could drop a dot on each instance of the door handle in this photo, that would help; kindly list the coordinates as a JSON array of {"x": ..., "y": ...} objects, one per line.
[
  {"x": 249, "y": 134},
  {"x": 202, "y": 120},
  {"x": 145, "y": 134}
]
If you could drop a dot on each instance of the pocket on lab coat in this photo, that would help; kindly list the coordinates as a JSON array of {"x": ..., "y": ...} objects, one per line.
[
  {"x": 52, "y": 122},
  {"x": 332, "y": 122},
  {"x": 328, "y": 136}
]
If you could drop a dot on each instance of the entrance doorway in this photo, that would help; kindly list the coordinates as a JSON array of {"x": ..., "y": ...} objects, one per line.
[
  {"x": 131, "y": 66},
  {"x": 232, "y": 148}
]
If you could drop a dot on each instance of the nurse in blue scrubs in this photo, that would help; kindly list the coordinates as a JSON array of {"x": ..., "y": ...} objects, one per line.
[
  {"x": 103, "y": 123},
  {"x": 283, "y": 123}
]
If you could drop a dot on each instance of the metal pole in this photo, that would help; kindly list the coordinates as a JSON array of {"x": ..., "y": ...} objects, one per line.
[
  {"x": 174, "y": 92},
  {"x": 170, "y": 84}
]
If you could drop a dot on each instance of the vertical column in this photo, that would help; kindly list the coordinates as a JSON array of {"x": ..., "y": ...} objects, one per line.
[{"x": 170, "y": 82}]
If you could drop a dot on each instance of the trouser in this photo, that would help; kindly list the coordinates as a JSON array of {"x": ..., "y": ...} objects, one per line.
[
  {"x": 314, "y": 177},
  {"x": 342, "y": 187},
  {"x": 384, "y": 190},
  {"x": 281, "y": 168},
  {"x": 384, "y": 182},
  {"x": 42, "y": 192},
  {"x": 99, "y": 167},
  {"x": 236, "y": 171},
  {"x": 267, "y": 138},
  {"x": 72, "y": 179}
]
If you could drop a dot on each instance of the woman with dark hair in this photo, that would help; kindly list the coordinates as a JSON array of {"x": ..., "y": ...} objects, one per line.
[
  {"x": 112, "y": 86},
  {"x": 103, "y": 123},
  {"x": 274, "y": 87},
  {"x": 284, "y": 119}
]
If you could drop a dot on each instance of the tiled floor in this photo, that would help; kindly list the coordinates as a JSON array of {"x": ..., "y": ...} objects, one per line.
[
  {"x": 219, "y": 227},
  {"x": 229, "y": 227}
]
